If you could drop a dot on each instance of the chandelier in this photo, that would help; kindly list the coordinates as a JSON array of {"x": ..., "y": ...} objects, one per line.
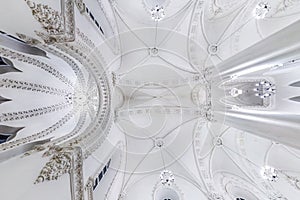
[
  {"x": 167, "y": 178},
  {"x": 261, "y": 10},
  {"x": 264, "y": 89},
  {"x": 157, "y": 13},
  {"x": 269, "y": 173}
]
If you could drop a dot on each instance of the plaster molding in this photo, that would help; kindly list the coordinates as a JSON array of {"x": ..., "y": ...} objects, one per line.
[
  {"x": 65, "y": 161},
  {"x": 58, "y": 26}
]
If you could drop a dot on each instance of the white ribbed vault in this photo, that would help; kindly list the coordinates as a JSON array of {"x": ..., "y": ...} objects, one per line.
[{"x": 98, "y": 97}]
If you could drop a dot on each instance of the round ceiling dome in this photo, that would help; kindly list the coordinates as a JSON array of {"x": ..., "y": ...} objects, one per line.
[{"x": 45, "y": 95}]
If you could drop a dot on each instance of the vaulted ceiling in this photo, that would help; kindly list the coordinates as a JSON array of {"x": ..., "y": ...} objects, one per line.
[{"x": 149, "y": 99}]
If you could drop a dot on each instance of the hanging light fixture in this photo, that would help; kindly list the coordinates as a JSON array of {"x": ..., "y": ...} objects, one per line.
[
  {"x": 269, "y": 173},
  {"x": 157, "y": 13},
  {"x": 264, "y": 89},
  {"x": 234, "y": 92},
  {"x": 261, "y": 10},
  {"x": 166, "y": 176}
]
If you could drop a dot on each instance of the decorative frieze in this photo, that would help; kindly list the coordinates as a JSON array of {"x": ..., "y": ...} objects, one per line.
[
  {"x": 33, "y": 87},
  {"x": 39, "y": 135},
  {"x": 25, "y": 114},
  {"x": 36, "y": 63}
]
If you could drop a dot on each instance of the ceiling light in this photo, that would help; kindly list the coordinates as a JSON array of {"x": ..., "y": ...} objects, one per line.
[
  {"x": 269, "y": 173},
  {"x": 264, "y": 89},
  {"x": 157, "y": 13},
  {"x": 234, "y": 92},
  {"x": 261, "y": 10},
  {"x": 167, "y": 178}
]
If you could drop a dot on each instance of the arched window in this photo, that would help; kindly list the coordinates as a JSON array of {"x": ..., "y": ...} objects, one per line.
[
  {"x": 7, "y": 133},
  {"x": 101, "y": 174}
]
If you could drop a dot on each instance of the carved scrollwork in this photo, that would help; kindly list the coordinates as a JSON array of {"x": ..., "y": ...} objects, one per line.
[
  {"x": 65, "y": 160},
  {"x": 80, "y": 5},
  {"x": 59, "y": 26},
  {"x": 50, "y": 19},
  {"x": 58, "y": 165},
  {"x": 36, "y": 63}
]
